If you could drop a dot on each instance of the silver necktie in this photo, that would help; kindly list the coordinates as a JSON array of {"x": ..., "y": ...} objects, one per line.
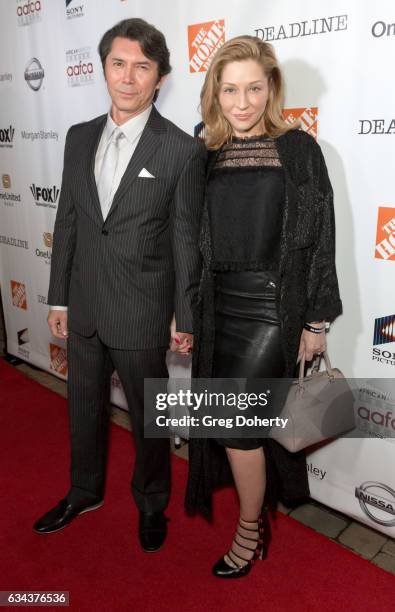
[{"x": 105, "y": 182}]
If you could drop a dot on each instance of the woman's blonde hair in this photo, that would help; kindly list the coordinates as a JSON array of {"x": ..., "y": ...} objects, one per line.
[{"x": 217, "y": 129}]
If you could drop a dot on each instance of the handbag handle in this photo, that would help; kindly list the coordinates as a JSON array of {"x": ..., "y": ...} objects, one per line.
[{"x": 316, "y": 365}]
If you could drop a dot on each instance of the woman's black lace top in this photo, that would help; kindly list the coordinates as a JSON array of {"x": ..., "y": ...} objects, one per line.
[{"x": 245, "y": 205}]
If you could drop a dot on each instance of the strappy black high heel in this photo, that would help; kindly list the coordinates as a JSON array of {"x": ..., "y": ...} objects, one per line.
[{"x": 242, "y": 566}]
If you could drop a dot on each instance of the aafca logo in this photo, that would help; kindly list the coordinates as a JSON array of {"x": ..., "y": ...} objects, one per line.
[
  {"x": 204, "y": 39},
  {"x": 384, "y": 333},
  {"x": 385, "y": 237},
  {"x": 45, "y": 255},
  {"x": 45, "y": 196},
  {"x": 308, "y": 118},
  {"x": 79, "y": 67},
  {"x": 375, "y": 413},
  {"x": 18, "y": 295},
  {"x": 58, "y": 359},
  {"x": 76, "y": 10},
  {"x": 7, "y": 137},
  {"x": 23, "y": 339},
  {"x": 28, "y": 11}
]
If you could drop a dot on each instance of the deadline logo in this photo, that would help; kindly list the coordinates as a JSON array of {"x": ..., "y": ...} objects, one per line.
[
  {"x": 204, "y": 39},
  {"x": 28, "y": 12},
  {"x": 384, "y": 333},
  {"x": 45, "y": 196},
  {"x": 74, "y": 11},
  {"x": 79, "y": 67},
  {"x": 7, "y": 137},
  {"x": 58, "y": 359},
  {"x": 308, "y": 118},
  {"x": 385, "y": 237},
  {"x": 34, "y": 74},
  {"x": 18, "y": 295},
  {"x": 379, "y": 496}
]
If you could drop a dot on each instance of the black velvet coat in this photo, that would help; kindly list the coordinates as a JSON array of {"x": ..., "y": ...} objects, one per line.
[{"x": 307, "y": 291}]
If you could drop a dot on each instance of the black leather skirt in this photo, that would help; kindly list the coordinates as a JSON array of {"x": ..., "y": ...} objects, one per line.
[{"x": 247, "y": 333}]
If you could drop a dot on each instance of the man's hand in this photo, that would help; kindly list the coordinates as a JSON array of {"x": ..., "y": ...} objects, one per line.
[
  {"x": 57, "y": 322},
  {"x": 312, "y": 344}
]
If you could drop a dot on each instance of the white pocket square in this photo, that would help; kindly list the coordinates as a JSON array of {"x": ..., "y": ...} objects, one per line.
[{"x": 144, "y": 173}]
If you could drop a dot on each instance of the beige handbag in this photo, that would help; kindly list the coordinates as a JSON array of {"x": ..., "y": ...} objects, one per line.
[{"x": 318, "y": 407}]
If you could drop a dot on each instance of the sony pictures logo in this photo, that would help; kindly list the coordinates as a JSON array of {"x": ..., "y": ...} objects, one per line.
[
  {"x": 34, "y": 74},
  {"x": 28, "y": 12},
  {"x": 377, "y": 501},
  {"x": 384, "y": 333},
  {"x": 79, "y": 68},
  {"x": 77, "y": 10}
]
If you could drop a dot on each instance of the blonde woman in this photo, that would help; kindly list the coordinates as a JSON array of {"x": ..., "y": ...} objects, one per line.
[{"x": 269, "y": 282}]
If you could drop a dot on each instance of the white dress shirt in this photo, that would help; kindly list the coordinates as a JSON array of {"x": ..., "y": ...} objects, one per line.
[{"x": 132, "y": 130}]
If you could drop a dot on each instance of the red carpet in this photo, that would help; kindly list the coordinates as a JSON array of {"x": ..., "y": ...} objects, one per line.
[{"x": 98, "y": 560}]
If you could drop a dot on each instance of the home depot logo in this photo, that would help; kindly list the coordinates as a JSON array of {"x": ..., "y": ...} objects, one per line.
[
  {"x": 18, "y": 294},
  {"x": 385, "y": 237},
  {"x": 58, "y": 359},
  {"x": 308, "y": 118},
  {"x": 204, "y": 39}
]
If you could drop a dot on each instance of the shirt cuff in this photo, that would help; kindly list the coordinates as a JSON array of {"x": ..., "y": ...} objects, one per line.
[{"x": 57, "y": 308}]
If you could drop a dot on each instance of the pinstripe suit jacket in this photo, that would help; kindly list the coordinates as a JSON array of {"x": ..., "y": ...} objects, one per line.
[{"x": 125, "y": 276}]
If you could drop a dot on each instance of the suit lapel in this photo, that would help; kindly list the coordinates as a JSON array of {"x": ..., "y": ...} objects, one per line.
[
  {"x": 97, "y": 129},
  {"x": 149, "y": 143}
]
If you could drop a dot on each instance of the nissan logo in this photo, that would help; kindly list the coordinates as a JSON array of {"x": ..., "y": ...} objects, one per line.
[
  {"x": 34, "y": 74},
  {"x": 370, "y": 496}
]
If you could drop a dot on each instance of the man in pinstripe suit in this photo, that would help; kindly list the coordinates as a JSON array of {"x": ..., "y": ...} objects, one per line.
[{"x": 125, "y": 259}]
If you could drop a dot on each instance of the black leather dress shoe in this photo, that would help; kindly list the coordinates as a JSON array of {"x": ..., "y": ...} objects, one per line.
[
  {"x": 152, "y": 530},
  {"x": 60, "y": 516}
]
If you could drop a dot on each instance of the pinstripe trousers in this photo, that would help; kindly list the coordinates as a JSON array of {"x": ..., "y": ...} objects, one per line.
[{"x": 91, "y": 364}]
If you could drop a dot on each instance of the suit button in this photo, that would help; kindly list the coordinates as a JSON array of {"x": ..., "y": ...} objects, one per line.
[{"x": 104, "y": 232}]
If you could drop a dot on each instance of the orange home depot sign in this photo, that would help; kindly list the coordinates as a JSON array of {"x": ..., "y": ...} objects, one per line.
[
  {"x": 385, "y": 237},
  {"x": 203, "y": 41},
  {"x": 58, "y": 359},
  {"x": 18, "y": 293},
  {"x": 308, "y": 118}
]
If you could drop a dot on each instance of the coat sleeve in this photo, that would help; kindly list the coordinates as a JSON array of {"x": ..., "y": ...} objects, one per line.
[
  {"x": 185, "y": 218},
  {"x": 64, "y": 237},
  {"x": 323, "y": 291}
]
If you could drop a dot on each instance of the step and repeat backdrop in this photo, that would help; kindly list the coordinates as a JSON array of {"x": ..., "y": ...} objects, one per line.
[{"x": 337, "y": 59}]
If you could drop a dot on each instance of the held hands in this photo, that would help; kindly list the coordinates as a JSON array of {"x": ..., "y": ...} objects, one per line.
[
  {"x": 312, "y": 343},
  {"x": 57, "y": 322},
  {"x": 181, "y": 342}
]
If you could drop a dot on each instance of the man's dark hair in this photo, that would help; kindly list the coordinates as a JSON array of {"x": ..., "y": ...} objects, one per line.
[{"x": 151, "y": 40}]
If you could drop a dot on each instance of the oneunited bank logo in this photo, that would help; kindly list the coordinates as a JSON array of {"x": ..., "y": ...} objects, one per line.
[
  {"x": 204, "y": 39},
  {"x": 18, "y": 295},
  {"x": 385, "y": 237},
  {"x": 58, "y": 359},
  {"x": 308, "y": 118}
]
